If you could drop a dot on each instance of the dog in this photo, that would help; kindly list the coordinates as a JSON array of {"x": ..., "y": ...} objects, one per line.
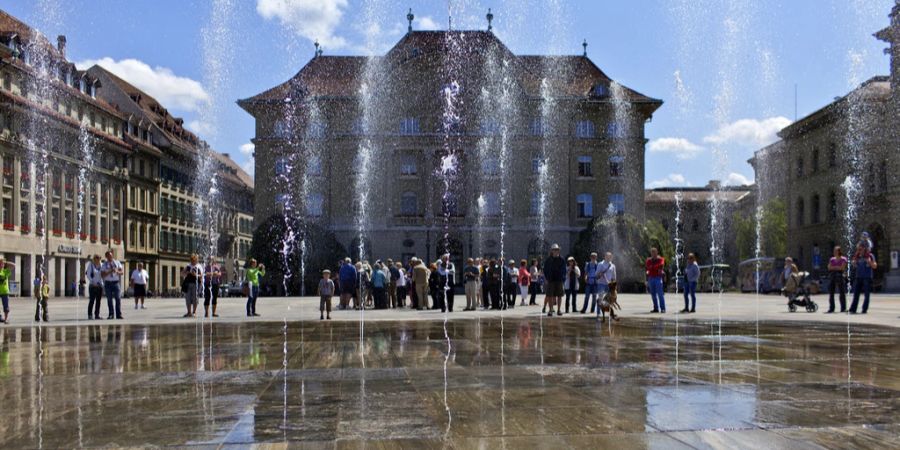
[{"x": 610, "y": 302}]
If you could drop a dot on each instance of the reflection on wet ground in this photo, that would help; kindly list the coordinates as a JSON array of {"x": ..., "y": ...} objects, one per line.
[{"x": 509, "y": 384}]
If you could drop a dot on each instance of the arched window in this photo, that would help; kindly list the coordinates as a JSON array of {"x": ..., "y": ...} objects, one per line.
[
  {"x": 409, "y": 204},
  {"x": 816, "y": 209},
  {"x": 801, "y": 212},
  {"x": 584, "y": 205},
  {"x": 142, "y": 236}
]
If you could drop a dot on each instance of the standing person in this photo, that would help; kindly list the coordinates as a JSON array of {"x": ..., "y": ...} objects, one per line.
[
  {"x": 379, "y": 287},
  {"x": 364, "y": 285},
  {"x": 95, "y": 287},
  {"x": 402, "y": 283},
  {"x": 42, "y": 295},
  {"x": 394, "y": 272},
  {"x": 606, "y": 275},
  {"x": 5, "y": 274},
  {"x": 470, "y": 275},
  {"x": 438, "y": 284},
  {"x": 511, "y": 288},
  {"x": 477, "y": 264},
  {"x": 347, "y": 278},
  {"x": 420, "y": 277},
  {"x": 326, "y": 290},
  {"x": 837, "y": 268},
  {"x": 485, "y": 283},
  {"x": 112, "y": 272},
  {"x": 571, "y": 285},
  {"x": 524, "y": 280},
  {"x": 450, "y": 268},
  {"x": 535, "y": 286},
  {"x": 212, "y": 281},
  {"x": 655, "y": 269},
  {"x": 191, "y": 275},
  {"x": 253, "y": 273},
  {"x": 554, "y": 274},
  {"x": 590, "y": 285},
  {"x": 495, "y": 275},
  {"x": 865, "y": 265},
  {"x": 139, "y": 278},
  {"x": 691, "y": 277}
]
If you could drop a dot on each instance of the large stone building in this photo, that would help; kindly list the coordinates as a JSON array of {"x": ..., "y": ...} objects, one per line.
[
  {"x": 527, "y": 143},
  {"x": 851, "y": 142},
  {"x": 70, "y": 137}
]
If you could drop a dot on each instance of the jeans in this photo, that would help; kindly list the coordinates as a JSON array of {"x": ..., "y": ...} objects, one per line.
[
  {"x": 840, "y": 284},
  {"x": 40, "y": 309},
  {"x": 865, "y": 285},
  {"x": 690, "y": 289},
  {"x": 5, "y": 299},
  {"x": 573, "y": 294},
  {"x": 591, "y": 292},
  {"x": 113, "y": 293},
  {"x": 251, "y": 299},
  {"x": 95, "y": 293},
  {"x": 533, "y": 289},
  {"x": 655, "y": 284}
]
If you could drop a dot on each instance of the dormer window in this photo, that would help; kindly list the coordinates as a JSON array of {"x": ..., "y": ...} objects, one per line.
[
  {"x": 69, "y": 77},
  {"x": 600, "y": 91},
  {"x": 93, "y": 90},
  {"x": 82, "y": 85},
  {"x": 409, "y": 126}
]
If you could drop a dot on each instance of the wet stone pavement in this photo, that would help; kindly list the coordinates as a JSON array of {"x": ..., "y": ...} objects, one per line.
[{"x": 504, "y": 383}]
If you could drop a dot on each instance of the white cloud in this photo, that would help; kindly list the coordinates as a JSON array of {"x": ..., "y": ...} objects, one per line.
[
  {"x": 737, "y": 179},
  {"x": 311, "y": 19},
  {"x": 425, "y": 23},
  {"x": 681, "y": 148},
  {"x": 673, "y": 179},
  {"x": 249, "y": 167},
  {"x": 173, "y": 91},
  {"x": 200, "y": 127},
  {"x": 749, "y": 132},
  {"x": 247, "y": 149}
]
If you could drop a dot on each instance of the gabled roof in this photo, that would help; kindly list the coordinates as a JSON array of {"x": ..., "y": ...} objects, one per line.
[
  {"x": 875, "y": 89},
  {"x": 233, "y": 172},
  {"x": 696, "y": 195},
  {"x": 334, "y": 76},
  {"x": 27, "y": 35}
]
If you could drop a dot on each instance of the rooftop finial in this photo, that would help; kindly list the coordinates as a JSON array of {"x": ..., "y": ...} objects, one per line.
[
  {"x": 409, "y": 18},
  {"x": 584, "y": 44},
  {"x": 316, "y": 53},
  {"x": 490, "y": 18}
]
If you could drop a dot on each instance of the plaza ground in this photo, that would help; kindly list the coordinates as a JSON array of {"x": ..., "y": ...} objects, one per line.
[
  {"x": 410, "y": 379},
  {"x": 884, "y": 309}
]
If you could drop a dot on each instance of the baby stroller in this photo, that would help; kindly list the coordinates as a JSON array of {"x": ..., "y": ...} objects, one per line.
[{"x": 797, "y": 292}]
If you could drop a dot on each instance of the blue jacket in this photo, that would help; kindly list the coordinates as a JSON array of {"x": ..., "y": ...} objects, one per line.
[
  {"x": 347, "y": 275},
  {"x": 862, "y": 269},
  {"x": 378, "y": 279}
]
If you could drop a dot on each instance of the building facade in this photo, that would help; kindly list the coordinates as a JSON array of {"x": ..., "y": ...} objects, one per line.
[
  {"x": 450, "y": 142},
  {"x": 836, "y": 171},
  {"x": 92, "y": 164}
]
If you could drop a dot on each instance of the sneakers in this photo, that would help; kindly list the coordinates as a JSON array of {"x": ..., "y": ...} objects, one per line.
[
  {"x": 685, "y": 310},
  {"x": 143, "y": 307},
  {"x": 654, "y": 311},
  {"x": 135, "y": 306}
]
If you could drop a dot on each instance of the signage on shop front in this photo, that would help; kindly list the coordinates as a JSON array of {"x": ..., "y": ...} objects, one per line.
[{"x": 68, "y": 249}]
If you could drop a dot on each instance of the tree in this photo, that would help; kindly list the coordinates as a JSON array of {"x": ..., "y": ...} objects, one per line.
[
  {"x": 772, "y": 232},
  {"x": 629, "y": 240},
  {"x": 279, "y": 243}
]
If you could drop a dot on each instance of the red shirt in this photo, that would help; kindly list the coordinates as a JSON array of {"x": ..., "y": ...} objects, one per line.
[
  {"x": 524, "y": 276},
  {"x": 655, "y": 267}
]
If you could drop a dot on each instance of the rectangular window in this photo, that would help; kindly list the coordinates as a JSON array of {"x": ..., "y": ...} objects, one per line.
[
  {"x": 584, "y": 205},
  {"x": 616, "y": 166},
  {"x": 584, "y": 166},
  {"x": 23, "y": 216},
  {"x": 534, "y": 208},
  {"x": 7, "y": 213},
  {"x": 409, "y": 126},
  {"x": 537, "y": 126},
  {"x": 315, "y": 204},
  {"x": 584, "y": 129},
  {"x": 408, "y": 165},
  {"x": 615, "y": 130},
  {"x": 281, "y": 166},
  {"x": 617, "y": 203},
  {"x": 537, "y": 164},
  {"x": 490, "y": 166}
]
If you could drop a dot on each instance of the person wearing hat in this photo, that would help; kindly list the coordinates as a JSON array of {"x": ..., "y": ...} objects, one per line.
[
  {"x": 554, "y": 274},
  {"x": 326, "y": 290},
  {"x": 95, "y": 287}
]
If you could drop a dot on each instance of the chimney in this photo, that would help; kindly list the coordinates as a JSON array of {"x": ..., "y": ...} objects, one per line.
[
  {"x": 61, "y": 44},
  {"x": 226, "y": 155},
  {"x": 714, "y": 185}
]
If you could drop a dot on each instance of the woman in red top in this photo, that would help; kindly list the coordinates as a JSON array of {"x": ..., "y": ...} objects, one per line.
[{"x": 524, "y": 280}]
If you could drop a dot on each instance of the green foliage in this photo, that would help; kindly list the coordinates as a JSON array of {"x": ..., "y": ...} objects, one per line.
[
  {"x": 773, "y": 231},
  {"x": 628, "y": 239},
  {"x": 277, "y": 244}
]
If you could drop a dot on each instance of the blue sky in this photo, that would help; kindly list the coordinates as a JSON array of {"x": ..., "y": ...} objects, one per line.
[{"x": 726, "y": 70}]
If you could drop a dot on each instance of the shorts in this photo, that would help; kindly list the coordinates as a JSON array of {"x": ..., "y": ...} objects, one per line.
[
  {"x": 140, "y": 290},
  {"x": 555, "y": 289},
  {"x": 324, "y": 302}
]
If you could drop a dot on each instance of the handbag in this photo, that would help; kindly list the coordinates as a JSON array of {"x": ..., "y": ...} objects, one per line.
[{"x": 245, "y": 288}]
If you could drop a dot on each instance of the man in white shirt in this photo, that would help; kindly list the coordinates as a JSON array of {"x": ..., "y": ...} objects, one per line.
[
  {"x": 111, "y": 271},
  {"x": 139, "y": 278},
  {"x": 95, "y": 287}
]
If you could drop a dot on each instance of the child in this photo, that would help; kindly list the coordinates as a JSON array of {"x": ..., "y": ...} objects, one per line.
[
  {"x": 42, "y": 295},
  {"x": 326, "y": 290}
]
